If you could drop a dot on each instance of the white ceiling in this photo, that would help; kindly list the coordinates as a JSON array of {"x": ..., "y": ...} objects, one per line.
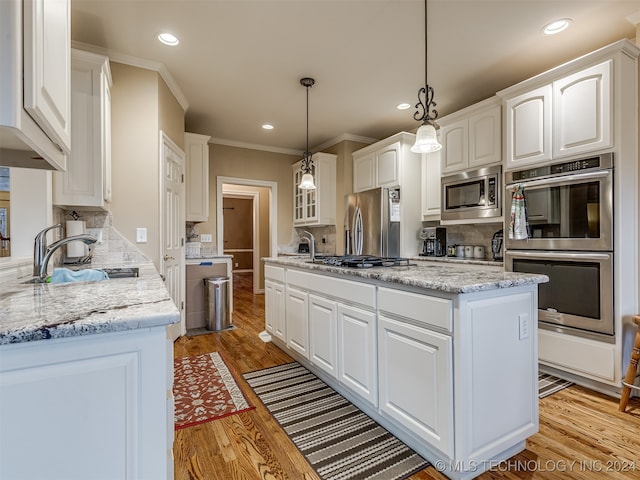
[{"x": 239, "y": 62}]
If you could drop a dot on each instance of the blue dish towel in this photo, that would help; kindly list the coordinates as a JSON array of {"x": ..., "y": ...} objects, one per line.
[{"x": 62, "y": 275}]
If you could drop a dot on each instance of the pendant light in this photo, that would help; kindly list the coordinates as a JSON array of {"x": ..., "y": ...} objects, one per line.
[
  {"x": 426, "y": 137},
  {"x": 306, "y": 183}
]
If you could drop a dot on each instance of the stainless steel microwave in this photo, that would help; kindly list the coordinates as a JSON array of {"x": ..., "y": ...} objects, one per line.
[{"x": 472, "y": 195}]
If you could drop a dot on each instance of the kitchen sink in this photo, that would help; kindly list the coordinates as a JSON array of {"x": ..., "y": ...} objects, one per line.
[
  {"x": 122, "y": 272},
  {"x": 112, "y": 273}
]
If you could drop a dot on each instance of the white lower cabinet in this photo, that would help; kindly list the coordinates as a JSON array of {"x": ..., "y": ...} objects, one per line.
[
  {"x": 274, "y": 309},
  {"x": 94, "y": 406},
  {"x": 297, "y": 320},
  {"x": 357, "y": 352},
  {"x": 323, "y": 325},
  {"x": 415, "y": 368}
]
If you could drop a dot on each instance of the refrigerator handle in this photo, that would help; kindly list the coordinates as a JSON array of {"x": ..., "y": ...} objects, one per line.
[{"x": 357, "y": 231}]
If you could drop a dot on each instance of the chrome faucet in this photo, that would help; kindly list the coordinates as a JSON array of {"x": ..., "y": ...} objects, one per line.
[
  {"x": 40, "y": 248},
  {"x": 42, "y": 253},
  {"x": 312, "y": 244}
]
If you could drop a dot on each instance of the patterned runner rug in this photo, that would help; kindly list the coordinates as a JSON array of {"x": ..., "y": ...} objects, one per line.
[
  {"x": 204, "y": 389},
  {"x": 339, "y": 441},
  {"x": 548, "y": 384}
]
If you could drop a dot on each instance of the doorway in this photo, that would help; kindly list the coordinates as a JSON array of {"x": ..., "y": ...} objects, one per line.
[{"x": 264, "y": 217}]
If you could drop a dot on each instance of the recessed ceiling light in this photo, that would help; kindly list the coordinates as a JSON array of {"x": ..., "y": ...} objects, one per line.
[
  {"x": 556, "y": 26},
  {"x": 168, "y": 39},
  {"x": 403, "y": 106},
  {"x": 267, "y": 126}
]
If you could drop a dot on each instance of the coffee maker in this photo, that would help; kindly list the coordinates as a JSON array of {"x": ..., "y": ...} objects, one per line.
[
  {"x": 434, "y": 241},
  {"x": 497, "y": 245}
]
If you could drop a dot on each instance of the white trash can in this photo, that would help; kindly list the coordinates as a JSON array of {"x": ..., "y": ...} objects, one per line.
[{"x": 217, "y": 299}]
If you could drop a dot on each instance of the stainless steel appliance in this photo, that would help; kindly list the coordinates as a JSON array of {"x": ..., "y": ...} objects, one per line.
[
  {"x": 434, "y": 241},
  {"x": 472, "y": 195},
  {"x": 373, "y": 216},
  {"x": 569, "y": 207},
  {"x": 579, "y": 296},
  {"x": 497, "y": 246}
]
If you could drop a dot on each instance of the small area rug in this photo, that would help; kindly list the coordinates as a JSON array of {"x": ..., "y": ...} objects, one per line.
[
  {"x": 548, "y": 384},
  {"x": 338, "y": 440},
  {"x": 204, "y": 390}
]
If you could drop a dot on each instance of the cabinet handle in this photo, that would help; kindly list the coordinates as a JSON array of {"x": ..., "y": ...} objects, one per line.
[{"x": 167, "y": 257}]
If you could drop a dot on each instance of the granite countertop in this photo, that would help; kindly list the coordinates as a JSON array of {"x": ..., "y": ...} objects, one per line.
[
  {"x": 434, "y": 276},
  {"x": 458, "y": 260},
  {"x": 42, "y": 311}
]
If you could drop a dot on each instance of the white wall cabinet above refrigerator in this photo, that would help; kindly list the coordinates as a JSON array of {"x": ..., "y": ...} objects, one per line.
[
  {"x": 472, "y": 137},
  {"x": 316, "y": 207},
  {"x": 35, "y": 127},
  {"x": 87, "y": 181},
  {"x": 196, "y": 149}
]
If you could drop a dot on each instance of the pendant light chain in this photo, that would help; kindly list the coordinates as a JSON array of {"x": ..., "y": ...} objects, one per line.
[
  {"x": 306, "y": 183},
  {"x": 426, "y": 104}
]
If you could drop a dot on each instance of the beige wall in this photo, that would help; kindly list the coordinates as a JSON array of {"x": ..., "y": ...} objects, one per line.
[
  {"x": 344, "y": 184},
  {"x": 141, "y": 105},
  {"x": 255, "y": 165}
]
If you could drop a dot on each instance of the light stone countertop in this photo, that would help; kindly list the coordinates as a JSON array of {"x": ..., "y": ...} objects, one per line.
[
  {"x": 430, "y": 275},
  {"x": 458, "y": 261},
  {"x": 42, "y": 311}
]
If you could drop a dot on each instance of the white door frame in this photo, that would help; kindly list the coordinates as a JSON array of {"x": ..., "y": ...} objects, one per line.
[
  {"x": 273, "y": 212},
  {"x": 255, "y": 226},
  {"x": 174, "y": 331}
]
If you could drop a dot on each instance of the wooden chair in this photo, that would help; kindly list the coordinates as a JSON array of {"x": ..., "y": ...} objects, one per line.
[{"x": 632, "y": 371}]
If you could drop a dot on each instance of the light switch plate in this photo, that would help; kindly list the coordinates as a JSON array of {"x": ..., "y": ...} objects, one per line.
[
  {"x": 141, "y": 235},
  {"x": 206, "y": 237}
]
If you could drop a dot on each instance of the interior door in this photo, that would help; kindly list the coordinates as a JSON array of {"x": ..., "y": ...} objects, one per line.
[{"x": 172, "y": 220}]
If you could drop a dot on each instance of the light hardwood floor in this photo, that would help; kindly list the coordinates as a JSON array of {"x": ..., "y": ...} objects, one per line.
[{"x": 582, "y": 435}]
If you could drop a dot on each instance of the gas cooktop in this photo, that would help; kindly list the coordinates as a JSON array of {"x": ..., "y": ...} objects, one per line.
[{"x": 362, "y": 261}]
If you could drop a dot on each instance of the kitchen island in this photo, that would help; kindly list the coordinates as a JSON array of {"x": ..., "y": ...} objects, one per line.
[
  {"x": 443, "y": 356},
  {"x": 86, "y": 377}
]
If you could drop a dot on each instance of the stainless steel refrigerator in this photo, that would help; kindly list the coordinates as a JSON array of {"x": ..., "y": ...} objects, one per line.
[{"x": 372, "y": 223}]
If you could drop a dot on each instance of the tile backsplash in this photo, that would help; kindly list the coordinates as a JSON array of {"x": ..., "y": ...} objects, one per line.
[
  {"x": 112, "y": 248},
  {"x": 473, "y": 234}
]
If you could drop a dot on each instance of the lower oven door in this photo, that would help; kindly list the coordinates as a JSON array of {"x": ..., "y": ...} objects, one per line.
[{"x": 579, "y": 296}]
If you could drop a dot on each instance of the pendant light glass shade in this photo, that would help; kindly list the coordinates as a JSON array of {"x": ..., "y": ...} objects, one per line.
[
  {"x": 426, "y": 136},
  {"x": 426, "y": 139},
  {"x": 307, "y": 182}
]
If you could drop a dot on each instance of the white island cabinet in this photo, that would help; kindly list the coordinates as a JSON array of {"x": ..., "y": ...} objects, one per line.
[{"x": 443, "y": 357}]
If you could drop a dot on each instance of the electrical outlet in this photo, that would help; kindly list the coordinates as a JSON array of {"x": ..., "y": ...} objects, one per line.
[
  {"x": 236, "y": 264},
  {"x": 141, "y": 235},
  {"x": 206, "y": 238},
  {"x": 523, "y": 320}
]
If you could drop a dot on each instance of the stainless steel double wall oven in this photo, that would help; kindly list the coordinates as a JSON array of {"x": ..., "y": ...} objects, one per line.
[{"x": 569, "y": 208}]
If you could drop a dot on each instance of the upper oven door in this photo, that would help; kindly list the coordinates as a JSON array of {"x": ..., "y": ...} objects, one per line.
[{"x": 569, "y": 212}]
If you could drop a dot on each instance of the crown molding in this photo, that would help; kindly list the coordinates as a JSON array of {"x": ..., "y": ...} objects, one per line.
[
  {"x": 140, "y": 63},
  {"x": 345, "y": 137},
  {"x": 255, "y": 146}
]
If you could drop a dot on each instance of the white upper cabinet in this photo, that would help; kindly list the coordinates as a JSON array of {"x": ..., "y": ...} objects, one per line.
[
  {"x": 197, "y": 177},
  {"x": 528, "y": 127},
  {"x": 387, "y": 163},
  {"x": 472, "y": 137},
  {"x": 316, "y": 207},
  {"x": 431, "y": 186},
  {"x": 35, "y": 103},
  {"x": 582, "y": 111},
  {"x": 87, "y": 181},
  {"x": 364, "y": 172},
  {"x": 565, "y": 112}
]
